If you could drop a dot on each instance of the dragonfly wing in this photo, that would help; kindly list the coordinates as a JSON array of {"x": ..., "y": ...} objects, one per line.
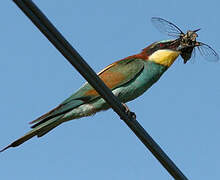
[
  {"x": 207, "y": 52},
  {"x": 166, "y": 27}
]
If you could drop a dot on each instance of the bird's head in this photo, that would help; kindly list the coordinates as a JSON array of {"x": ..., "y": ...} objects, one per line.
[{"x": 163, "y": 52}]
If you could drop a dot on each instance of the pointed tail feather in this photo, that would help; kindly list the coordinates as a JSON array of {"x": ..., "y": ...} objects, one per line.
[
  {"x": 21, "y": 140},
  {"x": 39, "y": 131}
]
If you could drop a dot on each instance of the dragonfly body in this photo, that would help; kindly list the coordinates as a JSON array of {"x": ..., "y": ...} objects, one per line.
[{"x": 127, "y": 78}]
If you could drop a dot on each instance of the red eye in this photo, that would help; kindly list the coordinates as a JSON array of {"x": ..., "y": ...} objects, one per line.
[{"x": 161, "y": 45}]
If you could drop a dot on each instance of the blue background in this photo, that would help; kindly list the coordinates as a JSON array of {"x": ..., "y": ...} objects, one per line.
[{"x": 181, "y": 111}]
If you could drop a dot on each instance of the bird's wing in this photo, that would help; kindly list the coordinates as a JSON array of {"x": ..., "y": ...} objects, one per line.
[{"x": 114, "y": 75}]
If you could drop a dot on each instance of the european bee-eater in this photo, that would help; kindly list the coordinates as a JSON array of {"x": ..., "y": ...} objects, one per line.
[{"x": 127, "y": 78}]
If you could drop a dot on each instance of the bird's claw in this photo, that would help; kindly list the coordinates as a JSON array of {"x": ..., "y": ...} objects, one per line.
[{"x": 129, "y": 113}]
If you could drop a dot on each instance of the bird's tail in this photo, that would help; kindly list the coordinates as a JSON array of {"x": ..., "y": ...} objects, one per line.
[{"x": 38, "y": 131}]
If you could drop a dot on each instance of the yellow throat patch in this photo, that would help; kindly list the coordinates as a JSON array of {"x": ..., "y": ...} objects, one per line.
[{"x": 164, "y": 57}]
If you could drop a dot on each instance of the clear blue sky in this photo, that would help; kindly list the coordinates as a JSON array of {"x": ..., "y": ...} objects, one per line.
[{"x": 181, "y": 111}]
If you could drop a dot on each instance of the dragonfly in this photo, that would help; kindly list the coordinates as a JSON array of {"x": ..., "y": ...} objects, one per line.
[{"x": 187, "y": 41}]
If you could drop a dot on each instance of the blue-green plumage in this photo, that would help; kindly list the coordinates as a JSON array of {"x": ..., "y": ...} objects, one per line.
[{"x": 148, "y": 75}]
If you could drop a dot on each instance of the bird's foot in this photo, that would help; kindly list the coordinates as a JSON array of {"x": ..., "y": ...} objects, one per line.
[{"x": 128, "y": 112}]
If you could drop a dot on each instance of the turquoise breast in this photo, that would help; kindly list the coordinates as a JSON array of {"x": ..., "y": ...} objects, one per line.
[{"x": 149, "y": 75}]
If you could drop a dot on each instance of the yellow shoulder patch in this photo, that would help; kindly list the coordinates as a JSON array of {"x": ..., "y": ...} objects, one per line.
[{"x": 164, "y": 57}]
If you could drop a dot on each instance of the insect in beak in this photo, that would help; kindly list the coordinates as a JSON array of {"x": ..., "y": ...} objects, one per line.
[{"x": 187, "y": 41}]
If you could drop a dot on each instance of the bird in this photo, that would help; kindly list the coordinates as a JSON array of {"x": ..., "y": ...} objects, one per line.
[{"x": 127, "y": 78}]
